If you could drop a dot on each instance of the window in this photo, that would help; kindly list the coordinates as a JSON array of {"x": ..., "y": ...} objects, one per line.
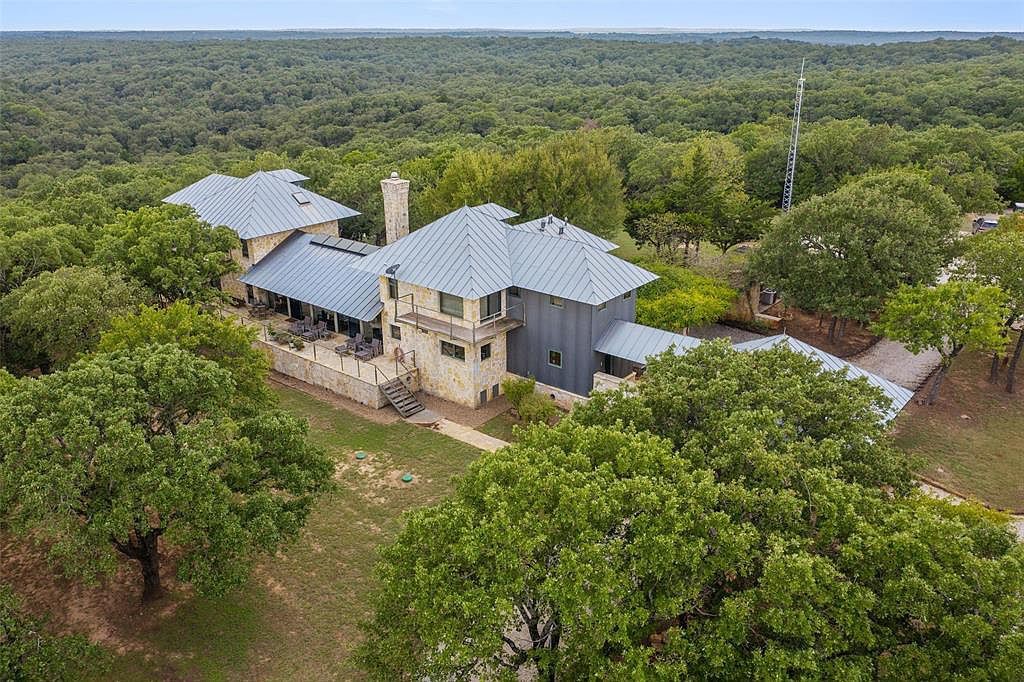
[
  {"x": 490, "y": 305},
  {"x": 451, "y": 304},
  {"x": 555, "y": 358},
  {"x": 396, "y": 332},
  {"x": 452, "y": 351},
  {"x": 514, "y": 291},
  {"x": 627, "y": 294},
  {"x": 556, "y": 301},
  {"x": 392, "y": 287},
  {"x": 245, "y": 248},
  {"x": 485, "y": 351},
  {"x": 602, "y": 306}
]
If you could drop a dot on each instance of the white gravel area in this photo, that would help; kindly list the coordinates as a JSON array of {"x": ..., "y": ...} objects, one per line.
[
  {"x": 894, "y": 362},
  {"x": 721, "y": 331}
]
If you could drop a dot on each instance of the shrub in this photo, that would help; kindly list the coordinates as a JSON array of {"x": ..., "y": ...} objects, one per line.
[
  {"x": 537, "y": 408},
  {"x": 516, "y": 389}
]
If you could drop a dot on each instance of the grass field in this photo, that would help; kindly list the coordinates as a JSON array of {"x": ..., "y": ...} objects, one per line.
[
  {"x": 298, "y": 616},
  {"x": 972, "y": 440},
  {"x": 500, "y": 426}
]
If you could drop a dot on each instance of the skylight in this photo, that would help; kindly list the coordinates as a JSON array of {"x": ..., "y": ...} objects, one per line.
[{"x": 300, "y": 197}]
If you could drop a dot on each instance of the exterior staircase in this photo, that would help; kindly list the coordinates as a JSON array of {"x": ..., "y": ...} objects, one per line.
[{"x": 401, "y": 398}]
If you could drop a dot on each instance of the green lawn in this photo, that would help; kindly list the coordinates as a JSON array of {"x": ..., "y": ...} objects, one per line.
[
  {"x": 500, "y": 426},
  {"x": 982, "y": 455},
  {"x": 298, "y": 616}
]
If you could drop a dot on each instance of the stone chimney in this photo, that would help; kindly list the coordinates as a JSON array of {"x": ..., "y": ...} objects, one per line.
[{"x": 396, "y": 207}]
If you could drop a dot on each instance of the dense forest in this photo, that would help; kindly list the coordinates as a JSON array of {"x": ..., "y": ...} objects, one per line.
[{"x": 95, "y": 126}]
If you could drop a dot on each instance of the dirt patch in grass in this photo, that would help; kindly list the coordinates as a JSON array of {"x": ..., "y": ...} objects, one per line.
[
  {"x": 971, "y": 441},
  {"x": 809, "y": 328}
]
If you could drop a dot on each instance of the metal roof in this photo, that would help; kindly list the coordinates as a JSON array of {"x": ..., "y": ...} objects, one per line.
[
  {"x": 470, "y": 254},
  {"x": 637, "y": 342},
  {"x": 258, "y": 205},
  {"x": 557, "y": 227},
  {"x": 304, "y": 268},
  {"x": 288, "y": 175},
  {"x": 570, "y": 269},
  {"x": 897, "y": 395},
  {"x": 463, "y": 253},
  {"x": 496, "y": 211},
  {"x": 201, "y": 189}
]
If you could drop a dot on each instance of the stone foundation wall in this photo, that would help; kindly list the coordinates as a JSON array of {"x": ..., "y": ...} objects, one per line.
[
  {"x": 336, "y": 381},
  {"x": 564, "y": 399}
]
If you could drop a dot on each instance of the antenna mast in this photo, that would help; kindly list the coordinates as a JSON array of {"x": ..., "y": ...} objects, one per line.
[{"x": 787, "y": 192}]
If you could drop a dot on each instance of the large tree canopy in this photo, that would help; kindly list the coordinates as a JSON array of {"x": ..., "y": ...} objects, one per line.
[
  {"x": 186, "y": 325},
  {"x": 168, "y": 250},
  {"x": 56, "y": 315},
  {"x": 773, "y": 537},
  {"x": 127, "y": 451},
  {"x": 569, "y": 175},
  {"x": 844, "y": 252}
]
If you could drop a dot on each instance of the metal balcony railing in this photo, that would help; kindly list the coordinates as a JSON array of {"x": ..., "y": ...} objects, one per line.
[{"x": 458, "y": 328}]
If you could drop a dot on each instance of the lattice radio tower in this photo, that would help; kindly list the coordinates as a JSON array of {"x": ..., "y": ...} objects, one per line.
[{"x": 787, "y": 192}]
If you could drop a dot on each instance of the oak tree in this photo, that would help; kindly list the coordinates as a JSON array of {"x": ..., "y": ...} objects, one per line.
[{"x": 135, "y": 453}]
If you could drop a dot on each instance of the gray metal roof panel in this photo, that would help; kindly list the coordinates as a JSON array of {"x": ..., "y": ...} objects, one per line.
[
  {"x": 201, "y": 189},
  {"x": 288, "y": 175},
  {"x": 637, "y": 342},
  {"x": 470, "y": 254},
  {"x": 496, "y": 211},
  {"x": 897, "y": 395},
  {"x": 306, "y": 270},
  {"x": 463, "y": 253},
  {"x": 262, "y": 204},
  {"x": 551, "y": 225}
]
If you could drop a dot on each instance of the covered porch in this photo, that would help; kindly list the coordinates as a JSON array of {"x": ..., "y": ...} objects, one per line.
[{"x": 320, "y": 363}]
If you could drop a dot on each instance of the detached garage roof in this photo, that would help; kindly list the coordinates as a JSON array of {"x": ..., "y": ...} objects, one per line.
[
  {"x": 897, "y": 395},
  {"x": 260, "y": 204},
  {"x": 637, "y": 342},
  {"x": 318, "y": 269}
]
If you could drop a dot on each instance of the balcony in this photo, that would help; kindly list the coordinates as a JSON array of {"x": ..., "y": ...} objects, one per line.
[{"x": 407, "y": 311}]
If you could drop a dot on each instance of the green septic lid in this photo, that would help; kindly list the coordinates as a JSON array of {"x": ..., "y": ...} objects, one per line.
[
  {"x": 360, "y": 455},
  {"x": 407, "y": 478}
]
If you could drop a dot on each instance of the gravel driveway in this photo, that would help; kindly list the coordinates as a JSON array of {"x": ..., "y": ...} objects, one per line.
[{"x": 894, "y": 362}]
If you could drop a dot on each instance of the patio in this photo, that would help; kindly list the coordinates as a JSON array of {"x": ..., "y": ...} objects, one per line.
[{"x": 314, "y": 361}]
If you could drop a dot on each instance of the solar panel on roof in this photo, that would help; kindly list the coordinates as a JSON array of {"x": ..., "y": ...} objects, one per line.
[{"x": 342, "y": 244}]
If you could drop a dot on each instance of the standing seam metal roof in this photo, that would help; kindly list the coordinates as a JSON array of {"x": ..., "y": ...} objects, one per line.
[
  {"x": 303, "y": 268},
  {"x": 637, "y": 342},
  {"x": 496, "y": 211},
  {"x": 897, "y": 395},
  {"x": 258, "y": 205},
  {"x": 550, "y": 225},
  {"x": 470, "y": 254}
]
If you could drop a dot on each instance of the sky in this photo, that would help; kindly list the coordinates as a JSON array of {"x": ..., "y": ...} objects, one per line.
[{"x": 879, "y": 15}]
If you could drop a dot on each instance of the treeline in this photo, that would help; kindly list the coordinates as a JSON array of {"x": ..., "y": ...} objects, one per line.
[{"x": 70, "y": 102}]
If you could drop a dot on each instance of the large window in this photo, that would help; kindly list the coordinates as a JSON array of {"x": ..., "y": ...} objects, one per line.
[
  {"x": 490, "y": 305},
  {"x": 555, "y": 358},
  {"x": 392, "y": 288},
  {"x": 451, "y": 304},
  {"x": 450, "y": 350}
]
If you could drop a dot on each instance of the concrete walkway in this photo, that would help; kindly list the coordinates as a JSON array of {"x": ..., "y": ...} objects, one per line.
[
  {"x": 468, "y": 435},
  {"x": 892, "y": 361}
]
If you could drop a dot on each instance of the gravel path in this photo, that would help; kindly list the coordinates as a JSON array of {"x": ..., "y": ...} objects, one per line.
[{"x": 894, "y": 362}]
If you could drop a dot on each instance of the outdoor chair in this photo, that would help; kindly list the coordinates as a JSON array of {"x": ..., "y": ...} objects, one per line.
[
  {"x": 376, "y": 348},
  {"x": 320, "y": 328}
]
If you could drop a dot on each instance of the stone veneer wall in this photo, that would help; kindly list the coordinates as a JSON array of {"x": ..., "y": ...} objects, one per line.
[
  {"x": 459, "y": 381},
  {"x": 336, "y": 381},
  {"x": 259, "y": 247}
]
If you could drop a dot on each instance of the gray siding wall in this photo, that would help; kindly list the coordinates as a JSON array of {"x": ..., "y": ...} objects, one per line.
[{"x": 573, "y": 330}]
